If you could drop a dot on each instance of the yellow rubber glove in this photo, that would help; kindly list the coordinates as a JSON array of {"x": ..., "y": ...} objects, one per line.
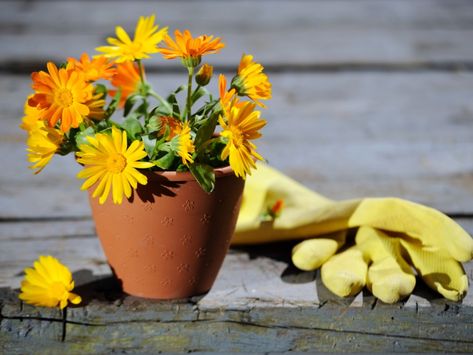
[
  {"x": 426, "y": 234},
  {"x": 312, "y": 253},
  {"x": 375, "y": 260}
]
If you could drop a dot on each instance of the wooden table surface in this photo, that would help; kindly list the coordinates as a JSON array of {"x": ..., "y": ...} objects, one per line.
[{"x": 370, "y": 98}]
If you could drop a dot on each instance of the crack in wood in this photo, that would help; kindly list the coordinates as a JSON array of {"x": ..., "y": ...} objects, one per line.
[
  {"x": 242, "y": 323},
  {"x": 49, "y": 319},
  {"x": 373, "y": 305}
]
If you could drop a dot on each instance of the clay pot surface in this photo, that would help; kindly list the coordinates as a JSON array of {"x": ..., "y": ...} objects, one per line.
[{"x": 168, "y": 241}]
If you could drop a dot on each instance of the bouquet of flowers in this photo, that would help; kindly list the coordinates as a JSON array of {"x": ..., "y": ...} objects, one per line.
[{"x": 74, "y": 109}]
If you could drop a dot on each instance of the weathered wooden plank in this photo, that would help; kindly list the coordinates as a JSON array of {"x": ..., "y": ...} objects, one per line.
[
  {"x": 259, "y": 302},
  {"x": 296, "y": 32},
  {"x": 146, "y": 326},
  {"x": 250, "y": 276},
  {"x": 345, "y": 135}
]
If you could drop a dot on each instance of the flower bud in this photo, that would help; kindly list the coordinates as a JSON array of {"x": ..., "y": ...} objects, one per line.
[{"x": 204, "y": 74}]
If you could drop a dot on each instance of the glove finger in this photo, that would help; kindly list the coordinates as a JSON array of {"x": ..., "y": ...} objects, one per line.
[
  {"x": 345, "y": 274},
  {"x": 439, "y": 271},
  {"x": 389, "y": 276},
  {"x": 420, "y": 222},
  {"x": 312, "y": 253},
  {"x": 388, "y": 282}
]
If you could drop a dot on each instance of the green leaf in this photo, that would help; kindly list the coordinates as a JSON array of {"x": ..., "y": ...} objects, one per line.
[
  {"x": 81, "y": 137},
  {"x": 182, "y": 168},
  {"x": 206, "y": 131},
  {"x": 132, "y": 127},
  {"x": 113, "y": 104},
  {"x": 103, "y": 125},
  {"x": 208, "y": 107},
  {"x": 162, "y": 110},
  {"x": 101, "y": 89},
  {"x": 165, "y": 161},
  {"x": 198, "y": 93},
  {"x": 150, "y": 146},
  {"x": 174, "y": 104},
  {"x": 176, "y": 111},
  {"x": 129, "y": 103},
  {"x": 153, "y": 125},
  {"x": 143, "y": 109},
  {"x": 205, "y": 176}
]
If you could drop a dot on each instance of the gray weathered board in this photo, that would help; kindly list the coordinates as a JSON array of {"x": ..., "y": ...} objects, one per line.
[{"x": 371, "y": 98}]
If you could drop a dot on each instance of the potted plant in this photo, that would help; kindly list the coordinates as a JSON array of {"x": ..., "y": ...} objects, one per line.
[{"x": 164, "y": 174}]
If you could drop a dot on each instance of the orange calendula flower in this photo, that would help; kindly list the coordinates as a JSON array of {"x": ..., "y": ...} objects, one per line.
[
  {"x": 171, "y": 123},
  {"x": 48, "y": 284},
  {"x": 62, "y": 94},
  {"x": 127, "y": 78},
  {"x": 43, "y": 143},
  {"x": 251, "y": 81},
  {"x": 242, "y": 125},
  {"x": 143, "y": 44},
  {"x": 188, "y": 48},
  {"x": 93, "y": 70},
  {"x": 108, "y": 160}
]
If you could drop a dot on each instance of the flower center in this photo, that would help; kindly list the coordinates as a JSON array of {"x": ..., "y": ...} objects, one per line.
[
  {"x": 63, "y": 97},
  {"x": 116, "y": 163},
  {"x": 133, "y": 48}
]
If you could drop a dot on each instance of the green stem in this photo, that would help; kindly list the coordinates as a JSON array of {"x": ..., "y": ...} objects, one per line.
[
  {"x": 160, "y": 99},
  {"x": 189, "y": 92},
  {"x": 140, "y": 68}
]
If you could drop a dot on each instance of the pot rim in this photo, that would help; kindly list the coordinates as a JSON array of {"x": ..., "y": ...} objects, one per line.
[{"x": 187, "y": 175}]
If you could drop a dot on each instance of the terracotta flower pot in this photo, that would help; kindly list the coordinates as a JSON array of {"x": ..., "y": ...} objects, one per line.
[{"x": 168, "y": 241}]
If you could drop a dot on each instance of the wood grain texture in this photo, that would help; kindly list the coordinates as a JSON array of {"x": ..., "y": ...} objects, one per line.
[
  {"x": 278, "y": 33},
  {"x": 130, "y": 324}
]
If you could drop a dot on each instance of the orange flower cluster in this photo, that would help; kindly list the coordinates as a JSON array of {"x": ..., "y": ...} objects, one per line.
[{"x": 62, "y": 114}]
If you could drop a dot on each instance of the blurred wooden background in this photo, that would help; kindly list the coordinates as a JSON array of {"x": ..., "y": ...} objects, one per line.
[{"x": 370, "y": 98}]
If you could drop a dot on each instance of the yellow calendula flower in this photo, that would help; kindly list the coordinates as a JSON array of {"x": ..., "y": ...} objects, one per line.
[
  {"x": 62, "y": 94},
  {"x": 43, "y": 142},
  {"x": 96, "y": 107},
  {"x": 188, "y": 48},
  {"x": 127, "y": 78},
  {"x": 225, "y": 96},
  {"x": 251, "y": 81},
  {"x": 33, "y": 118},
  {"x": 93, "y": 69},
  {"x": 185, "y": 145},
  {"x": 48, "y": 284},
  {"x": 242, "y": 125},
  {"x": 108, "y": 160},
  {"x": 143, "y": 44}
]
